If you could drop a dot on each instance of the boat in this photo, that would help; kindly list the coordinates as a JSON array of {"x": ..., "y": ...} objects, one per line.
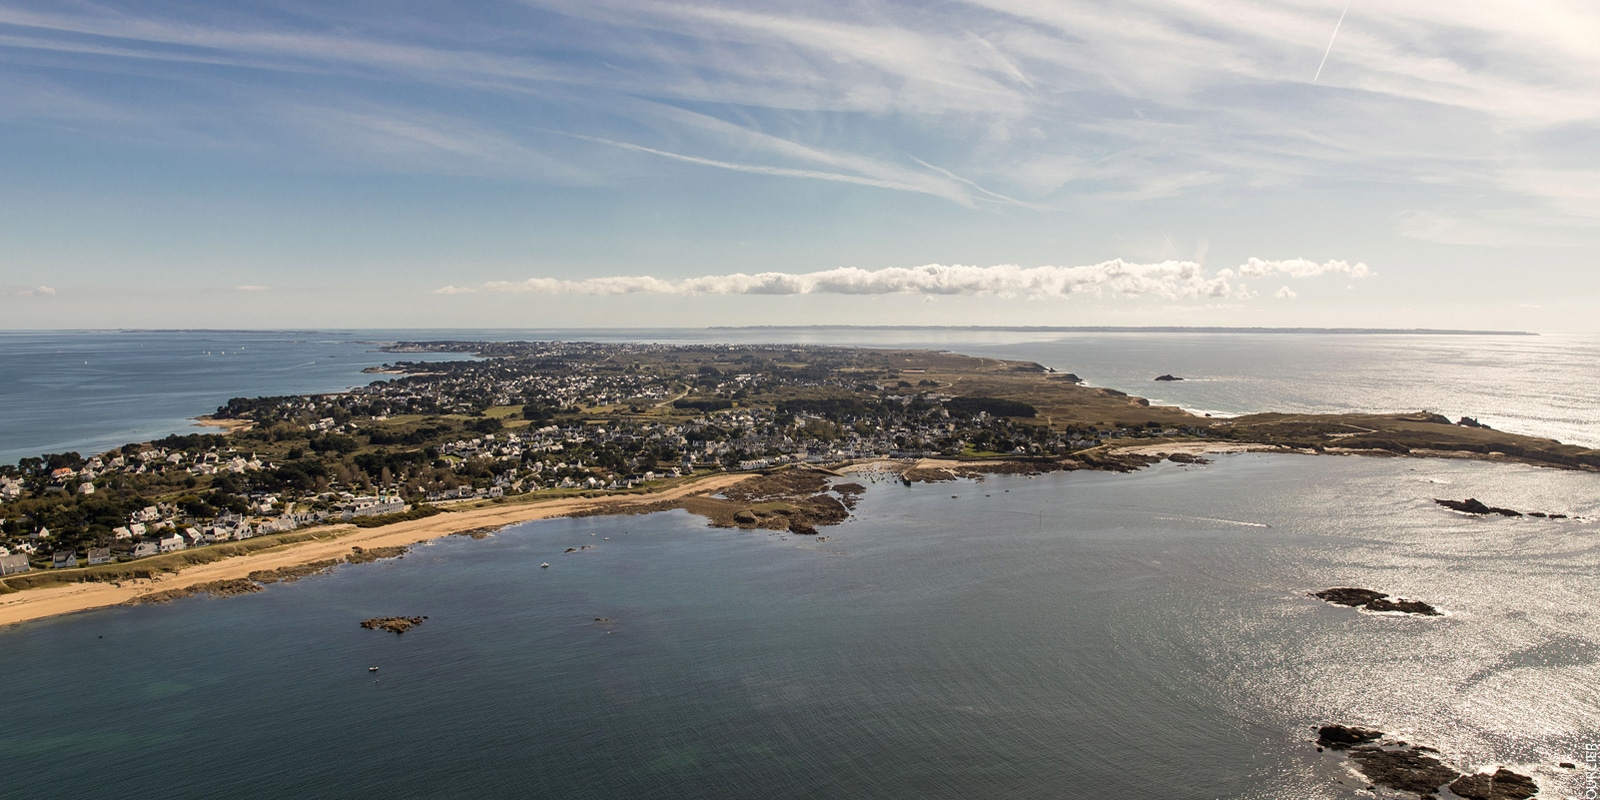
[
  {"x": 372, "y": 669},
  {"x": 545, "y": 565}
]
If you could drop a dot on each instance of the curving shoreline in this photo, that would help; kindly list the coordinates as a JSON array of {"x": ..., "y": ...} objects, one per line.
[
  {"x": 334, "y": 543},
  {"x": 52, "y": 601}
]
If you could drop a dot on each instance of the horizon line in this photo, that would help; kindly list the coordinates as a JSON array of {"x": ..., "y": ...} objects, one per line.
[{"x": 1003, "y": 328}]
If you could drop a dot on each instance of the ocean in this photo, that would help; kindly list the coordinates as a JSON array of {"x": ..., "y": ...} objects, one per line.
[
  {"x": 1083, "y": 635},
  {"x": 1078, "y": 635}
]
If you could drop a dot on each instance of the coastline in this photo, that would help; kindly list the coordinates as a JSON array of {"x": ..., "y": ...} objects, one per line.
[{"x": 52, "y": 601}]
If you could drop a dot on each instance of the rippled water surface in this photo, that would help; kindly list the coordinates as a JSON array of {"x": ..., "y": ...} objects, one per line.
[{"x": 1068, "y": 636}]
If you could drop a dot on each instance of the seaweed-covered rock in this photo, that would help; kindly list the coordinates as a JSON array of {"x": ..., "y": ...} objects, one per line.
[{"x": 392, "y": 624}]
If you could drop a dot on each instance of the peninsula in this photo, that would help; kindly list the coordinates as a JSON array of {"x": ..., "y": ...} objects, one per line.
[{"x": 529, "y": 430}]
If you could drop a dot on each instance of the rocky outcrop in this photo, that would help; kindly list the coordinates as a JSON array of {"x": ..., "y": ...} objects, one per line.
[
  {"x": 1340, "y": 737},
  {"x": 1469, "y": 422},
  {"x": 1503, "y": 784},
  {"x": 226, "y": 588},
  {"x": 1374, "y": 601},
  {"x": 1168, "y": 378},
  {"x": 1473, "y": 505},
  {"x": 366, "y": 555},
  {"x": 1417, "y": 769},
  {"x": 1407, "y": 770},
  {"x": 294, "y": 573},
  {"x": 392, "y": 624}
]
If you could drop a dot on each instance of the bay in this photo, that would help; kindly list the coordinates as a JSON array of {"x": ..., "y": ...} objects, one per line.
[{"x": 1080, "y": 635}]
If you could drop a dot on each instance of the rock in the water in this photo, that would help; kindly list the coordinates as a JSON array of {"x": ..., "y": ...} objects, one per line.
[
  {"x": 1405, "y": 770},
  {"x": 1168, "y": 378},
  {"x": 1469, "y": 422},
  {"x": 1473, "y": 505},
  {"x": 1502, "y": 785},
  {"x": 393, "y": 624},
  {"x": 1339, "y": 737},
  {"x": 1374, "y": 601}
]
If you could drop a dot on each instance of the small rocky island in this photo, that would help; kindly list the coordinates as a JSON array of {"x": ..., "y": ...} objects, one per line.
[
  {"x": 1168, "y": 378},
  {"x": 1473, "y": 505},
  {"x": 1374, "y": 601},
  {"x": 1411, "y": 768},
  {"x": 392, "y": 624}
]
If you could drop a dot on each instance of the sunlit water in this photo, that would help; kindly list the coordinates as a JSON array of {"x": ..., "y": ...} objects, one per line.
[{"x": 1083, "y": 635}]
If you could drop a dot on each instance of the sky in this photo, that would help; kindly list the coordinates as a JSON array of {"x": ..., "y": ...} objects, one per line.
[{"x": 644, "y": 164}]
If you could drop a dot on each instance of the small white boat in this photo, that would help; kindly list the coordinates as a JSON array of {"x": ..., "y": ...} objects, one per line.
[
  {"x": 372, "y": 669},
  {"x": 545, "y": 565}
]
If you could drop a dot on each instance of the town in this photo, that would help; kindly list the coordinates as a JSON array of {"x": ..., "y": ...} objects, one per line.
[{"x": 521, "y": 419}]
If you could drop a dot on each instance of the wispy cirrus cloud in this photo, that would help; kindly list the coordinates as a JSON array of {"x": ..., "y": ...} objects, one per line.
[
  {"x": 1014, "y": 100},
  {"x": 1170, "y": 280}
]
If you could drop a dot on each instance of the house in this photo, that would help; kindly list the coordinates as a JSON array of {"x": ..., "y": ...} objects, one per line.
[
  {"x": 171, "y": 543},
  {"x": 13, "y": 564},
  {"x": 86, "y": 488},
  {"x": 99, "y": 555},
  {"x": 121, "y": 532},
  {"x": 42, "y": 533},
  {"x": 143, "y": 549},
  {"x": 64, "y": 559}
]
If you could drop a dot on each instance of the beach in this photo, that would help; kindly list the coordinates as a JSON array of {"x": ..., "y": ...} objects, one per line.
[{"x": 33, "y": 604}]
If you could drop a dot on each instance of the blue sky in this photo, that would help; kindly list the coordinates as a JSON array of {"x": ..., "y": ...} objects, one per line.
[{"x": 530, "y": 164}]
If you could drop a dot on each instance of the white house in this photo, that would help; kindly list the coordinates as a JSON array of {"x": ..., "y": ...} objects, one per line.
[{"x": 171, "y": 543}]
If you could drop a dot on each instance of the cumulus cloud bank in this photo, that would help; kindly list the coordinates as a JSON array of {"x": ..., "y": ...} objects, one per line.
[
  {"x": 1167, "y": 280},
  {"x": 38, "y": 291}
]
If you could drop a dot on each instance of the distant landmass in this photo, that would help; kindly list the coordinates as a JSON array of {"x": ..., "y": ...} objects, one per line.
[{"x": 1124, "y": 329}]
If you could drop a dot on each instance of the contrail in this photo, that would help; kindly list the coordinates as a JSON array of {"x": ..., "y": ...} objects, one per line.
[{"x": 1330, "y": 42}]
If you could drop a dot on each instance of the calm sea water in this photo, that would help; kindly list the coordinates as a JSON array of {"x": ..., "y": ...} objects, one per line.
[
  {"x": 90, "y": 391},
  {"x": 1070, "y": 636}
]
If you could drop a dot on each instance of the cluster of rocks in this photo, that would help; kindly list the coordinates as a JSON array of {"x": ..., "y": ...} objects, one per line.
[
  {"x": 1374, "y": 601},
  {"x": 365, "y": 555},
  {"x": 1415, "y": 768},
  {"x": 224, "y": 588},
  {"x": 392, "y": 624},
  {"x": 1473, "y": 505}
]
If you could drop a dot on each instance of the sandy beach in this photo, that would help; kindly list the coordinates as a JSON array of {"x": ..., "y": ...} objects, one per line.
[{"x": 52, "y": 601}]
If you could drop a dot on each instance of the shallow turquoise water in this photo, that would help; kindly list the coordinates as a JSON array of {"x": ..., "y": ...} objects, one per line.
[{"x": 1077, "y": 636}]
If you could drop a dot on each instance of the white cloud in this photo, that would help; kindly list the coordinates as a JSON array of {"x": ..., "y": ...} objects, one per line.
[
  {"x": 250, "y": 287},
  {"x": 38, "y": 291},
  {"x": 1116, "y": 278},
  {"x": 1301, "y": 268},
  {"x": 1285, "y": 293}
]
